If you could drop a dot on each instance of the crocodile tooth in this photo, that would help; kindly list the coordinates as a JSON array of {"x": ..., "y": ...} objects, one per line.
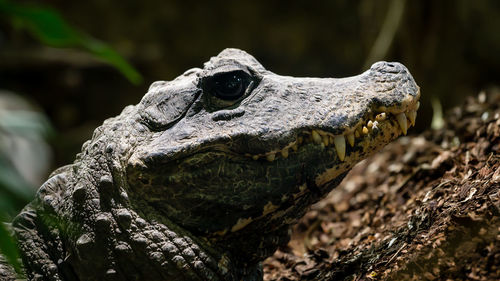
[
  {"x": 350, "y": 139},
  {"x": 270, "y": 157},
  {"x": 401, "y": 118},
  {"x": 284, "y": 152},
  {"x": 316, "y": 137},
  {"x": 325, "y": 140},
  {"x": 295, "y": 147},
  {"x": 339, "y": 142},
  {"x": 369, "y": 124},
  {"x": 365, "y": 130},
  {"x": 418, "y": 105},
  {"x": 356, "y": 134},
  {"x": 412, "y": 115},
  {"x": 255, "y": 157},
  {"x": 381, "y": 116}
]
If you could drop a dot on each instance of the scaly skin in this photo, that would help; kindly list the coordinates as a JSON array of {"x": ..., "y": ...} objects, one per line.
[{"x": 202, "y": 179}]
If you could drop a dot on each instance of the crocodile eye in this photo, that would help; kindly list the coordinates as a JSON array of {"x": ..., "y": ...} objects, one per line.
[{"x": 229, "y": 86}]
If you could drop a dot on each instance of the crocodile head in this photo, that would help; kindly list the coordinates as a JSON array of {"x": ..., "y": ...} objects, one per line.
[
  {"x": 235, "y": 153},
  {"x": 202, "y": 179}
]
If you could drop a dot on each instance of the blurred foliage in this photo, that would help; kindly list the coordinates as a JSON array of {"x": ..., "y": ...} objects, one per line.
[
  {"x": 8, "y": 248},
  {"x": 51, "y": 29},
  {"x": 15, "y": 191},
  {"x": 437, "y": 116}
]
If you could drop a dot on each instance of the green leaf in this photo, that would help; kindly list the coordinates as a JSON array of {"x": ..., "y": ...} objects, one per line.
[
  {"x": 103, "y": 51},
  {"x": 15, "y": 192},
  {"x": 8, "y": 248},
  {"x": 51, "y": 29},
  {"x": 24, "y": 122}
]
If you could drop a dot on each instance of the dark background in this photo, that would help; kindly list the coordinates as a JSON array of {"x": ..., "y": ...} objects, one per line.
[{"x": 452, "y": 48}]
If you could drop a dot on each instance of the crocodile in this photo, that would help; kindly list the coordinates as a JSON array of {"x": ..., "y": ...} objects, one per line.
[{"x": 202, "y": 179}]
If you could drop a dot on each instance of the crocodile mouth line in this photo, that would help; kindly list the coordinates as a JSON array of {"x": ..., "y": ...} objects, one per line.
[{"x": 404, "y": 119}]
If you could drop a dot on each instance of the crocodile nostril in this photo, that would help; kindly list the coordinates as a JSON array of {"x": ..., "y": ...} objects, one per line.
[{"x": 388, "y": 67}]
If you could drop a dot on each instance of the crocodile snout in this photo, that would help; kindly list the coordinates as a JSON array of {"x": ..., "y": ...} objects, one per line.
[{"x": 392, "y": 87}]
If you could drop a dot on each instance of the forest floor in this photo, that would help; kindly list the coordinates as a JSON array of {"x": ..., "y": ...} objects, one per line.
[{"x": 427, "y": 207}]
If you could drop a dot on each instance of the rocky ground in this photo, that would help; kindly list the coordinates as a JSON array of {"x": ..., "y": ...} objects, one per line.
[{"x": 427, "y": 207}]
